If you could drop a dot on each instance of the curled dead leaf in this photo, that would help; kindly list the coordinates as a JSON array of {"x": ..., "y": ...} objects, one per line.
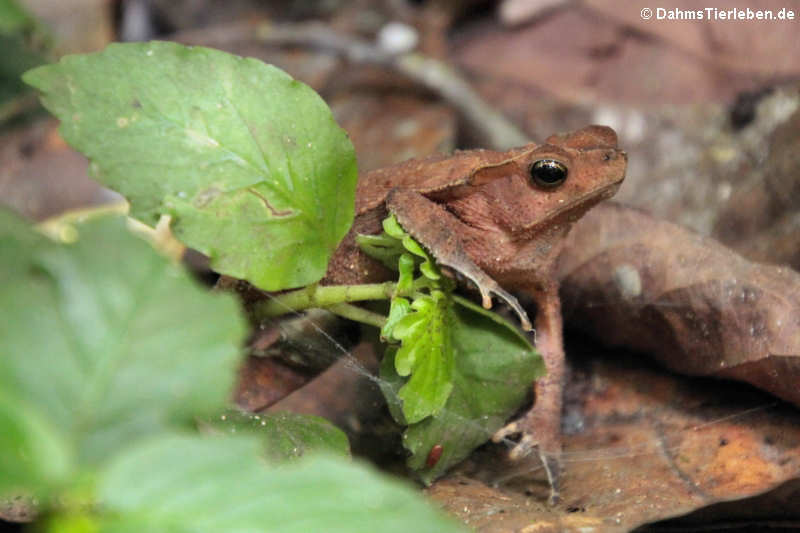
[{"x": 689, "y": 302}]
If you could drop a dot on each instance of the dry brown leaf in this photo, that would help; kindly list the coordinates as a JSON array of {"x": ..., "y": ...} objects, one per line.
[
  {"x": 578, "y": 55},
  {"x": 78, "y": 26},
  {"x": 387, "y": 129},
  {"x": 761, "y": 219},
  {"x": 689, "y": 302},
  {"x": 40, "y": 176},
  {"x": 641, "y": 445},
  {"x": 767, "y": 47}
]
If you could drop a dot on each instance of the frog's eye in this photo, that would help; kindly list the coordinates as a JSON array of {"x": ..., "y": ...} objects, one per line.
[{"x": 548, "y": 173}]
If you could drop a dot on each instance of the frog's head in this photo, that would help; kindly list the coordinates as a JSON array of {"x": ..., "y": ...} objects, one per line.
[{"x": 572, "y": 172}]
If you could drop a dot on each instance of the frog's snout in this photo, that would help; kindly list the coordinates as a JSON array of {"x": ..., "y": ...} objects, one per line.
[{"x": 612, "y": 155}]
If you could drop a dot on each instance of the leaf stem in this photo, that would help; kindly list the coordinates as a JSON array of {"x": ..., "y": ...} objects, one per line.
[
  {"x": 324, "y": 297},
  {"x": 359, "y": 314}
]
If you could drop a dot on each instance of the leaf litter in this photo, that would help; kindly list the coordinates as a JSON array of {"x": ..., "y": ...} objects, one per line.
[{"x": 641, "y": 444}]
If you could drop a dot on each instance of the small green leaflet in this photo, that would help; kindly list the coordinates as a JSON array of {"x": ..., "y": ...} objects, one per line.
[
  {"x": 249, "y": 162},
  {"x": 426, "y": 355},
  {"x": 423, "y": 326}
]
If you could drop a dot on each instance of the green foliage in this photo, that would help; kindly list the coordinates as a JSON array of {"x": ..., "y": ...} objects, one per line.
[
  {"x": 14, "y": 19},
  {"x": 494, "y": 366},
  {"x": 459, "y": 372},
  {"x": 24, "y": 43},
  {"x": 110, "y": 353},
  {"x": 426, "y": 355},
  {"x": 108, "y": 342},
  {"x": 249, "y": 162},
  {"x": 221, "y": 485},
  {"x": 255, "y": 174},
  {"x": 423, "y": 327},
  {"x": 286, "y": 436}
]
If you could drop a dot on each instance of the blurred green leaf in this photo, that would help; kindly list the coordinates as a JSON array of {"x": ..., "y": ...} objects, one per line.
[
  {"x": 220, "y": 484},
  {"x": 34, "y": 455},
  {"x": 14, "y": 18},
  {"x": 285, "y": 436},
  {"x": 108, "y": 342},
  {"x": 24, "y": 44},
  {"x": 249, "y": 162}
]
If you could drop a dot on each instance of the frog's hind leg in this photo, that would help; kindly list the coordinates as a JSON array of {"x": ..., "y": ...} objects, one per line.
[
  {"x": 437, "y": 229},
  {"x": 540, "y": 427}
]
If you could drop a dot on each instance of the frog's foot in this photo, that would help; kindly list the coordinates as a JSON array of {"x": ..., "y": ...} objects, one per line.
[
  {"x": 536, "y": 431},
  {"x": 487, "y": 286}
]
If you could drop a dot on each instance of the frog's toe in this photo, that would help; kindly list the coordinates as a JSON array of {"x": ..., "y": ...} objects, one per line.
[
  {"x": 486, "y": 297},
  {"x": 549, "y": 448},
  {"x": 488, "y": 286},
  {"x": 510, "y": 429},
  {"x": 525, "y": 322},
  {"x": 523, "y": 447}
]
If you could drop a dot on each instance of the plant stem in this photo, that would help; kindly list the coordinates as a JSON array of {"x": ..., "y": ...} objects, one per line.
[
  {"x": 359, "y": 314},
  {"x": 324, "y": 297}
]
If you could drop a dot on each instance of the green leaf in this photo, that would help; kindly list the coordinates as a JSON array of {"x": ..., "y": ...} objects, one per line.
[
  {"x": 33, "y": 455},
  {"x": 249, "y": 162},
  {"x": 80, "y": 522},
  {"x": 398, "y": 308},
  {"x": 495, "y": 366},
  {"x": 382, "y": 247},
  {"x": 426, "y": 354},
  {"x": 108, "y": 342},
  {"x": 405, "y": 266},
  {"x": 219, "y": 484},
  {"x": 285, "y": 436},
  {"x": 428, "y": 266},
  {"x": 470, "y": 369},
  {"x": 413, "y": 246},
  {"x": 392, "y": 227},
  {"x": 13, "y": 18},
  {"x": 24, "y": 43},
  {"x": 430, "y": 270},
  {"x": 389, "y": 248}
]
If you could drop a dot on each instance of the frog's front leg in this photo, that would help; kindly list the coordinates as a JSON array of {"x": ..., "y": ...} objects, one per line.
[
  {"x": 540, "y": 427},
  {"x": 439, "y": 231}
]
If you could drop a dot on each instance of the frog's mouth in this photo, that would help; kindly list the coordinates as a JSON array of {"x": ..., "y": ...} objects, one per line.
[{"x": 571, "y": 212}]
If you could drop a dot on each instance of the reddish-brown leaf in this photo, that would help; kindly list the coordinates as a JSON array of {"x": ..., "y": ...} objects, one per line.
[
  {"x": 689, "y": 302},
  {"x": 740, "y": 44},
  {"x": 640, "y": 445}
]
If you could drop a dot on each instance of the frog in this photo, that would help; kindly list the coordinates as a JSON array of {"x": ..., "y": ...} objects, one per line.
[{"x": 497, "y": 219}]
